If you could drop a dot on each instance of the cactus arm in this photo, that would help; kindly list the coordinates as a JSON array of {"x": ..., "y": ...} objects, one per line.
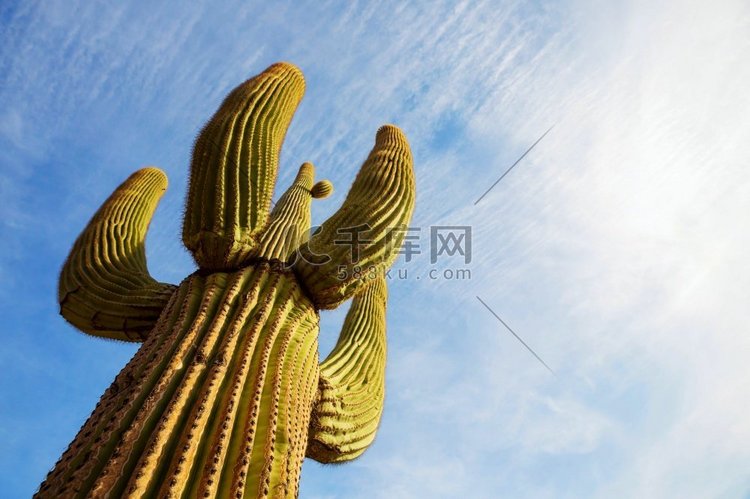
[
  {"x": 352, "y": 382},
  {"x": 105, "y": 288},
  {"x": 234, "y": 165},
  {"x": 290, "y": 219},
  {"x": 379, "y": 205}
]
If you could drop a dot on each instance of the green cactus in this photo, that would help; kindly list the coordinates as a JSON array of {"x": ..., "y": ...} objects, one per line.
[{"x": 227, "y": 395}]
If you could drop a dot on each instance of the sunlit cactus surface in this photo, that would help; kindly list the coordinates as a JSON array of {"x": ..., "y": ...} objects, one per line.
[{"x": 227, "y": 395}]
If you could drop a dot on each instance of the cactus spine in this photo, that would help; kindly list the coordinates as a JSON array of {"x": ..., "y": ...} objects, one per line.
[{"x": 226, "y": 396}]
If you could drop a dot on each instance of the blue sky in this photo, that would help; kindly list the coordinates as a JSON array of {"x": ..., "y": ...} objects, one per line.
[{"x": 616, "y": 248}]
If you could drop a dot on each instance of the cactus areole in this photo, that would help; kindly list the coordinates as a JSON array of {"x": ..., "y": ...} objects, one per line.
[{"x": 226, "y": 395}]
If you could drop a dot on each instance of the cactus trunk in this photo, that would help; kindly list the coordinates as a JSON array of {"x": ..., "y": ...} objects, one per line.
[{"x": 216, "y": 402}]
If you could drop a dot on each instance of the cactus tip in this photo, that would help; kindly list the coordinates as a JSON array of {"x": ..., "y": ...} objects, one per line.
[
  {"x": 155, "y": 173},
  {"x": 389, "y": 132},
  {"x": 286, "y": 67},
  {"x": 322, "y": 189}
]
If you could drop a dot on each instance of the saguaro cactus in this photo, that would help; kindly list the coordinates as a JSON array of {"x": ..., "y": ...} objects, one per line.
[{"x": 226, "y": 395}]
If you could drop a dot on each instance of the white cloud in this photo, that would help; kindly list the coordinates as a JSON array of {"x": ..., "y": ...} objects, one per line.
[{"x": 638, "y": 206}]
